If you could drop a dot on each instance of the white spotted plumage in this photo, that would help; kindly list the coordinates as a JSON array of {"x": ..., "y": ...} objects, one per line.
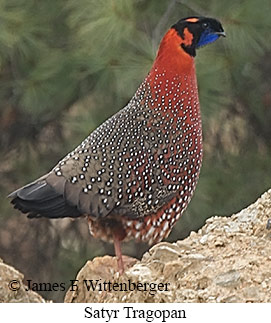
[{"x": 142, "y": 163}]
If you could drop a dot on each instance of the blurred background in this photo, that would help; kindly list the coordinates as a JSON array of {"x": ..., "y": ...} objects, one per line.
[{"x": 67, "y": 65}]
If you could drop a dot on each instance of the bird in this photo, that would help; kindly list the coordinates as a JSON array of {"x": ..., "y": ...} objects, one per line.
[{"x": 134, "y": 175}]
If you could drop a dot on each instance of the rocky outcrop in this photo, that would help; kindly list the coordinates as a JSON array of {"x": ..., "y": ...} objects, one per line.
[
  {"x": 228, "y": 260},
  {"x": 12, "y": 289}
]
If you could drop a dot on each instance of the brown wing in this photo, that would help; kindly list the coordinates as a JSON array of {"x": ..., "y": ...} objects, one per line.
[{"x": 122, "y": 167}]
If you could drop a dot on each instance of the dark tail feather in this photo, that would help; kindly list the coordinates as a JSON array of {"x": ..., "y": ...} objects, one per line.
[{"x": 39, "y": 199}]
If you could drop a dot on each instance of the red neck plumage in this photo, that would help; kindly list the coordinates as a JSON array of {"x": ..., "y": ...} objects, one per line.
[
  {"x": 172, "y": 58},
  {"x": 172, "y": 80}
]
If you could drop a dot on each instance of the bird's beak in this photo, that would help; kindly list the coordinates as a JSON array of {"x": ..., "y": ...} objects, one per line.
[{"x": 221, "y": 33}]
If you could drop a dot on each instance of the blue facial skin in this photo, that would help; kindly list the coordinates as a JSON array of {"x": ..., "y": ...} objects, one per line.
[{"x": 207, "y": 37}]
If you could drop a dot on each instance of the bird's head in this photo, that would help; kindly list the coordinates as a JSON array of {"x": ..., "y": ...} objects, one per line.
[
  {"x": 196, "y": 32},
  {"x": 178, "y": 47}
]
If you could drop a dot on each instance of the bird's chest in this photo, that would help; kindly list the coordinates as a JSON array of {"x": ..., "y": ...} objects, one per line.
[{"x": 164, "y": 154}]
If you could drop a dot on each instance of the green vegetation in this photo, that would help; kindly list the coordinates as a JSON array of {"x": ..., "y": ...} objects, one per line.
[{"x": 68, "y": 65}]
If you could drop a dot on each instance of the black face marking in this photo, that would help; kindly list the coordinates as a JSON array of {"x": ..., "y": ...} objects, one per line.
[{"x": 204, "y": 31}]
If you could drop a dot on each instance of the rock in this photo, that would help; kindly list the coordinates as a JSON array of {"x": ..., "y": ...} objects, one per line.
[
  {"x": 100, "y": 270},
  {"x": 12, "y": 289},
  {"x": 230, "y": 278},
  {"x": 228, "y": 260}
]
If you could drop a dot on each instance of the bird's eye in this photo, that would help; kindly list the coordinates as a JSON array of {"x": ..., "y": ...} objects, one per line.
[{"x": 205, "y": 25}]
